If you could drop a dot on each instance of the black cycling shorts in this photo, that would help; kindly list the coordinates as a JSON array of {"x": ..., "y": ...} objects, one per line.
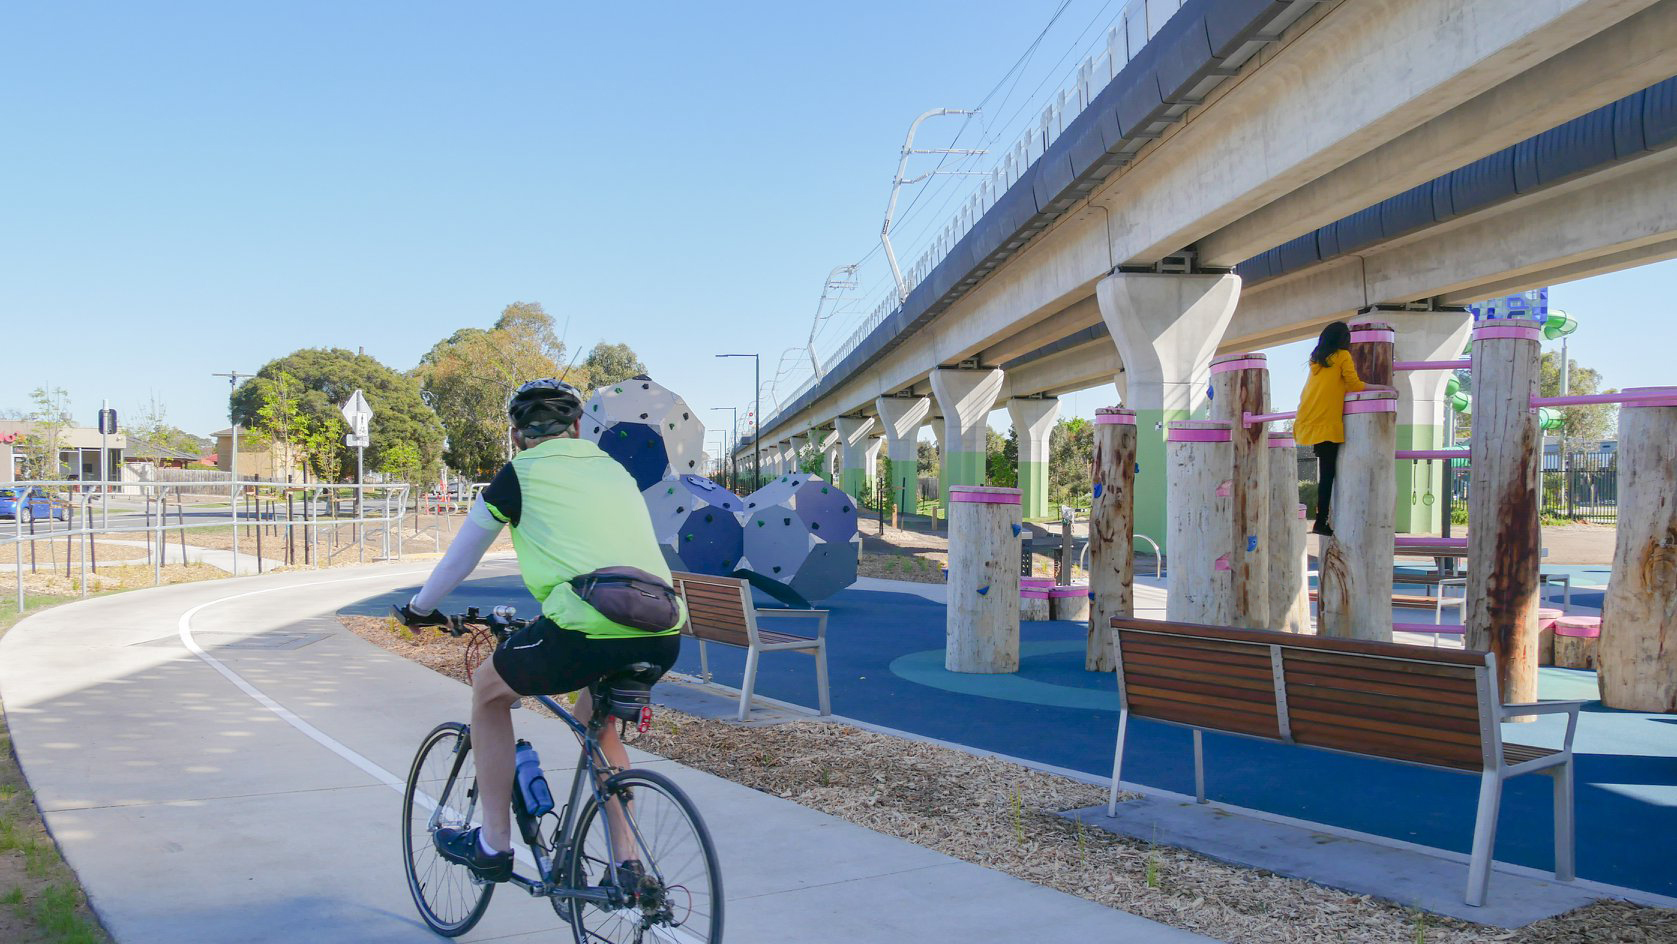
[{"x": 545, "y": 659}]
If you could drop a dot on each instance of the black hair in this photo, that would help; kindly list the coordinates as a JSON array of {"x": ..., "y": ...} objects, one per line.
[{"x": 1335, "y": 337}]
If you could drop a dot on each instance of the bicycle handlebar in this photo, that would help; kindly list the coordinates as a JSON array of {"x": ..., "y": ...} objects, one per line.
[{"x": 501, "y": 621}]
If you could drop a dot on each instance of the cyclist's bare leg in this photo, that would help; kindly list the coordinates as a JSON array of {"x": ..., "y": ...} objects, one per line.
[
  {"x": 492, "y": 701},
  {"x": 618, "y": 757}
]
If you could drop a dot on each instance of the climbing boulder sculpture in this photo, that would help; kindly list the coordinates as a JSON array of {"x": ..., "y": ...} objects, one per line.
[
  {"x": 697, "y": 522},
  {"x": 647, "y": 428},
  {"x": 801, "y": 542}
]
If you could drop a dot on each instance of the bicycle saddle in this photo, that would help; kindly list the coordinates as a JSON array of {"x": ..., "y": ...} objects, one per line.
[{"x": 627, "y": 693}]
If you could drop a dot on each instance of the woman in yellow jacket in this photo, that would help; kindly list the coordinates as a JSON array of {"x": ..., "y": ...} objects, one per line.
[{"x": 1321, "y": 416}]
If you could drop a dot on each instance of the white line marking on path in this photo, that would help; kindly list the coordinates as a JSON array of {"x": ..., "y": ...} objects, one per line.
[{"x": 285, "y": 714}]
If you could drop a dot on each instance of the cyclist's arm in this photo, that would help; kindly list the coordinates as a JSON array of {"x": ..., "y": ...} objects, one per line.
[{"x": 480, "y": 530}]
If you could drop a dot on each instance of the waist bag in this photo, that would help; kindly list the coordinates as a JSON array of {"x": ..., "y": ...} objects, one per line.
[{"x": 631, "y": 597}]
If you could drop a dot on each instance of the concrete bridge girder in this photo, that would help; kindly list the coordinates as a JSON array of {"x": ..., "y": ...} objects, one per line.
[{"x": 1371, "y": 71}]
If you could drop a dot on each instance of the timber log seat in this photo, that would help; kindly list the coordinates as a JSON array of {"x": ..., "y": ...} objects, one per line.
[
  {"x": 1432, "y": 707},
  {"x": 719, "y": 610}
]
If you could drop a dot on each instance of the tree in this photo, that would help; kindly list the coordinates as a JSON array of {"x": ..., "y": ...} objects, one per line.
[
  {"x": 927, "y": 458},
  {"x": 403, "y": 463},
  {"x": 1580, "y": 424},
  {"x": 1071, "y": 449},
  {"x": 325, "y": 378},
  {"x": 1000, "y": 468},
  {"x": 49, "y": 418},
  {"x": 612, "y": 363},
  {"x": 148, "y": 423},
  {"x": 281, "y": 420},
  {"x": 468, "y": 377}
]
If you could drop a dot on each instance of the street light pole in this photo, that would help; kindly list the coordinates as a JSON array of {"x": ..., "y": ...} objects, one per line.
[
  {"x": 233, "y": 378},
  {"x": 757, "y": 417},
  {"x": 732, "y": 439}
]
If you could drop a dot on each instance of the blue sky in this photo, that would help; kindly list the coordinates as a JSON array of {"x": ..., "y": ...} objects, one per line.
[{"x": 191, "y": 188}]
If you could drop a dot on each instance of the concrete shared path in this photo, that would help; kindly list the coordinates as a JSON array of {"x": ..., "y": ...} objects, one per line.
[{"x": 221, "y": 761}]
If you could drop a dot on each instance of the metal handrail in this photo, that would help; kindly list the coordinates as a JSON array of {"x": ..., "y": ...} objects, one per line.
[{"x": 1158, "y": 555}]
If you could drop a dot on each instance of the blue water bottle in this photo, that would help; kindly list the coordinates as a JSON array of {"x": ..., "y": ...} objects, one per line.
[{"x": 532, "y": 785}]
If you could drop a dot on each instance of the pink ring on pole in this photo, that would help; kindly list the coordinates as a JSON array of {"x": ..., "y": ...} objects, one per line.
[
  {"x": 1371, "y": 401},
  {"x": 1069, "y": 591},
  {"x": 1502, "y": 329},
  {"x": 983, "y": 495},
  {"x": 1239, "y": 362},
  {"x": 1114, "y": 416},
  {"x": 1282, "y": 441},
  {"x": 1033, "y": 593},
  {"x": 1645, "y": 391},
  {"x": 1372, "y": 335},
  {"x": 1197, "y": 431},
  {"x": 1038, "y": 582},
  {"x": 1302, "y": 510}
]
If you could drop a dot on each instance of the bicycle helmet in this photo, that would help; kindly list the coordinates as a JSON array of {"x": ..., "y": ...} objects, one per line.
[{"x": 545, "y": 407}]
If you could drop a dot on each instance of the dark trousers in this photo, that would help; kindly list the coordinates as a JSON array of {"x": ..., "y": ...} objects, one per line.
[{"x": 1327, "y": 460}]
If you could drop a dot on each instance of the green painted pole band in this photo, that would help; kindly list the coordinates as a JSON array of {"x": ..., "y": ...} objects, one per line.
[
  {"x": 1151, "y": 514},
  {"x": 964, "y": 468},
  {"x": 1033, "y": 488},
  {"x": 854, "y": 482}
]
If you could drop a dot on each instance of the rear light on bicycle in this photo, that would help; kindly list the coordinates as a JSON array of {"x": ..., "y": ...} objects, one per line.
[{"x": 645, "y": 723}]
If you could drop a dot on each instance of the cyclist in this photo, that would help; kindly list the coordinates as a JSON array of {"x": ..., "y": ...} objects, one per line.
[{"x": 573, "y": 510}]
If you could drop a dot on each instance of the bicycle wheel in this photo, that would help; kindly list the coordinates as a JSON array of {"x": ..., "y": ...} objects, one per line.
[
  {"x": 442, "y": 791},
  {"x": 680, "y": 897}
]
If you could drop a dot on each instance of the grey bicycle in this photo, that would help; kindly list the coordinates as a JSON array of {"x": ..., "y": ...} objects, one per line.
[{"x": 571, "y": 851}]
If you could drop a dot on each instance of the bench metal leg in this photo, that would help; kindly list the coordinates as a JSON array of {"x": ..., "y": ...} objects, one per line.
[
  {"x": 1117, "y": 762},
  {"x": 1564, "y": 866},
  {"x": 821, "y": 694},
  {"x": 1199, "y": 767},
  {"x": 1484, "y": 837},
  {"x": 750, "y": 681},
  {"x": 704, "y": 663}
]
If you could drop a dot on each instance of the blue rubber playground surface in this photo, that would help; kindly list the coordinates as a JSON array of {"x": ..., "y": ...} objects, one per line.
[{"x": 886, "y": 668}]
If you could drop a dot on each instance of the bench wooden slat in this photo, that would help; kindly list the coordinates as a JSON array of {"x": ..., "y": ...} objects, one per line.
[
  {"x": 1412, "y": 664},
  {"x": 1379, "y": 745},
  {"x": 1189, "y": 642},
  {"x": 1353, "y": 680},
  {"x": 1174, "y": 669},
  {"x": 1242, "y": 665},
  {"x": 1447, "y": 678},
  {"x": 1348, "y": 700},
  {"x": 1207, "y": 717},
  {"x": 1205, "y": 693},
  {"x": 1384, "y": 722}
]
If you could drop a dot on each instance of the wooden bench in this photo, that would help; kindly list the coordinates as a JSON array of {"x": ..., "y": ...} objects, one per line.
[
  {"x": 719, "y": 610},
  {"x": 1432, "y": 707}
]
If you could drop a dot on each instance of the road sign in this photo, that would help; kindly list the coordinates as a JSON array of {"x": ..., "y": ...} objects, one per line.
[
  {"x": 357, "y": 413},
  {"x": 107, "y": 422},
  {"x": 353, "y": 441}
]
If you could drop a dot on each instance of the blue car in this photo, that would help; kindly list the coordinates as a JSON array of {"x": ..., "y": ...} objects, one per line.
[{"x": 36, "y": 504}]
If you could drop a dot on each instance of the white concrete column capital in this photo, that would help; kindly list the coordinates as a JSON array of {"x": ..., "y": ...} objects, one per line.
[
  {"x": 1033, "y": 421},
  {"x": 1167, "y": 327},
  {"x": 1426, "y": 336},
  {"x": 966, "y": 398}
]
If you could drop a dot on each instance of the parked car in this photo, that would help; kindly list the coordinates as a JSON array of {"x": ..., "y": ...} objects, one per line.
[{"x": 36, "y": 504}]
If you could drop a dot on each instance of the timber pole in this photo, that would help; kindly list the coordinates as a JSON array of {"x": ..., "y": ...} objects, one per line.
[
  {"x": 1504, "y": 539},
  {"x": 1289, "y": 554},
  {"x": 1638, "y": 649},
  {"x": 1356, "y": 582},
  {"x": 982, "y": 629},
  {"x": 1111, "y": 534},
  {"x": 1240, "y": 385},
  {"x": 1373, "y": 350},
  {"x": 1199, "y": 458}
]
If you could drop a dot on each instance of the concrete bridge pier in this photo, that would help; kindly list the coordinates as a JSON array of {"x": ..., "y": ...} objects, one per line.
[
  {"x": 1167, "y": 327},
  {"x": 1033, "y": 422},
  {"x": 966, "y": 397},
  {"x": 870, "y": 460},
  {"x": 854, "y": 432},
  {"x": 796, "y": 455},
  {"x": 1438, "y": 335},
  {"x": 830, "y": 443},
  {"x": 900, "y": 418}
]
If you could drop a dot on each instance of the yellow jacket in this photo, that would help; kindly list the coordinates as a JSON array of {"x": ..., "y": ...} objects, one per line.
[{"x": 1321, "y": 416}]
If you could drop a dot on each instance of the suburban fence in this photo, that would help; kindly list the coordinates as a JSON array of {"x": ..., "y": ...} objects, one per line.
[
  {"x": 1586, "y": 489},
  {"x": 267, "y": 525}
]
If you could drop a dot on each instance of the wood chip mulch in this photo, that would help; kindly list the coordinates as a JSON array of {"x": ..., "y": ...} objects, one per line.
[{"x": 1005, "y": 816}]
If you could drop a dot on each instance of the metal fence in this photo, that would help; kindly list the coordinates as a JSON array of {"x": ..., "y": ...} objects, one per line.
[
  {"x": 1584, "y": 486},
  {"x": 267, "y": 525}
]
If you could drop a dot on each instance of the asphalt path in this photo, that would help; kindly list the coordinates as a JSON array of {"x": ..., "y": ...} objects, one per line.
[{"x": 222, "y": 761}]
